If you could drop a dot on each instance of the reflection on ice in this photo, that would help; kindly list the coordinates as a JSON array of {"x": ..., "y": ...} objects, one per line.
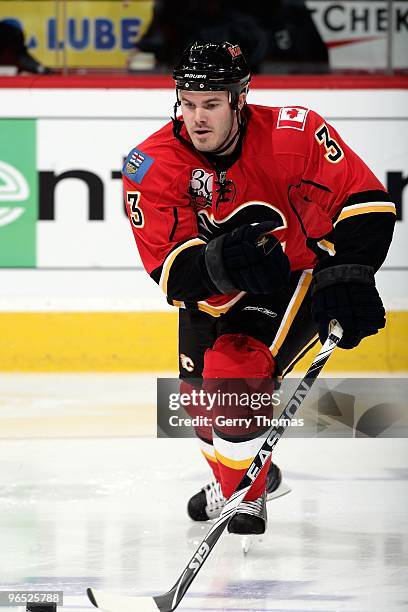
[{"x": 110, "y": 513}]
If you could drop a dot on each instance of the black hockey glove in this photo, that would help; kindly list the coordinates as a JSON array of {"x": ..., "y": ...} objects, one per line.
[
  {"x": 248, "y": 260},
  {"x": 348, "y": 294}
]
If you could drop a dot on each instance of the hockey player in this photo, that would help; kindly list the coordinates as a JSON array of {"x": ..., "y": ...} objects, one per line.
[{"x": 261, "y": 225}]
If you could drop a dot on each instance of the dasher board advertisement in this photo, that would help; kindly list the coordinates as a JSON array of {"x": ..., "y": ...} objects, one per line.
[
  {"x": 76, "y": 164},
  {"x": 96, "y": 34},
  {"x": 101, "y": 34},
  {"x": 356, "y": 32}
]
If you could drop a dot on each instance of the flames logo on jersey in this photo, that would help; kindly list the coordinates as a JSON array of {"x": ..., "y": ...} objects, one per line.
[
  {"x": 200, "y": 190},
  {"x": 249, "y": 212}
]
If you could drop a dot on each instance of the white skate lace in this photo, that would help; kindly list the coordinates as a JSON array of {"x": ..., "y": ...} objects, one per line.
[
  {"x": 254, "y": 507},
  {"x": 214, "y": 498}
]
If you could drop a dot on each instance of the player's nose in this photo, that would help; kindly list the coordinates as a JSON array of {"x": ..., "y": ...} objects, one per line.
[{"x": 200, "y": 116}]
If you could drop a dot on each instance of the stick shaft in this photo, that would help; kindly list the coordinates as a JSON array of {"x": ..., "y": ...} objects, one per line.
[{"x": 170, "y": 600}]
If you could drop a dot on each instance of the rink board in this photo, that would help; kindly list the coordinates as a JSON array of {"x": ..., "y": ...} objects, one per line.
[
  {"x": 141, "y": 341},
  {"x": 75, "y": 296}
]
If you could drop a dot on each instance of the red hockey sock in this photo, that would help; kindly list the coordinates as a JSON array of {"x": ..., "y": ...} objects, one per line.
[
  {"x": 231, "y": 477},
  {"x": 230, "y": 368}
]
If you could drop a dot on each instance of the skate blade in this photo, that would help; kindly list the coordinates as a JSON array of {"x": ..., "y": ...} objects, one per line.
[
  {"x": 247, "y": 542},
  {"x": 110, "y": 602},
  {"x": 283, "y": 489}
]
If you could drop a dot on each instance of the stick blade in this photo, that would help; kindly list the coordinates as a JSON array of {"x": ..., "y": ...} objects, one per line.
[{"x": 110, "y": 602}]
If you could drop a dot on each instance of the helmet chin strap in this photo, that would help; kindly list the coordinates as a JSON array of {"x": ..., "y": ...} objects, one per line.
[{"x": 228, "y": 142}]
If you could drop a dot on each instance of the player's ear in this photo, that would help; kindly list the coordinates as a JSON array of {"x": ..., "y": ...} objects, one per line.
[{"x": 241, "y": 100}]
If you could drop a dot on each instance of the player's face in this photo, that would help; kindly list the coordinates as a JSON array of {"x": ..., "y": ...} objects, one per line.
[{"x": 208, "y": 118}]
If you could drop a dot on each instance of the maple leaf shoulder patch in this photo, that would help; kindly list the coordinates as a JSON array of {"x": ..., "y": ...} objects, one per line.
[{"x": 292, "y": 117}]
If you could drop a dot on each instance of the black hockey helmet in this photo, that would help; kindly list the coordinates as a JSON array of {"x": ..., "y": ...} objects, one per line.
[{"x": 213, "y": 67}]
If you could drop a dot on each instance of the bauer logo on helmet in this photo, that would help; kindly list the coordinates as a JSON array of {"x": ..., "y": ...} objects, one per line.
[{"x": 191, "y": 75}]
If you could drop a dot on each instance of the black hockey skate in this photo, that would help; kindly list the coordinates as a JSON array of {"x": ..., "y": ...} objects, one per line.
[
  {"x": 208, "y": 503},
  {"x": 251, "y": 517}
]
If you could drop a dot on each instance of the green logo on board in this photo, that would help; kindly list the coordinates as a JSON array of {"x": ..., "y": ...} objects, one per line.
[{"x": 18, "y": 193}]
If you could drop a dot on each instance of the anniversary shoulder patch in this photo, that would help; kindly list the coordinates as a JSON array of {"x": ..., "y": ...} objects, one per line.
[{"x": 136, "y": 165}]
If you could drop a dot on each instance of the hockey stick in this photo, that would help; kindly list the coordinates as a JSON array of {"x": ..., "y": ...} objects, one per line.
[{"x": 170, "y": 600}]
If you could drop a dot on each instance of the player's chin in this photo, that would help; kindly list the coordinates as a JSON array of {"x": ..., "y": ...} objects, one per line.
[
  {"x": 201, "y": 139},
  {"x": 205, "y": 145}
]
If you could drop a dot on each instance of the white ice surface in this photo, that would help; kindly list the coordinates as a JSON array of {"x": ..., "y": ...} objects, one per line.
[{"x": 109, "y": 512}]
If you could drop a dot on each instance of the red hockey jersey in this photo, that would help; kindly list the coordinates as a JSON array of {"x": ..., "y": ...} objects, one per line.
[{"x": 293, "y": 169}]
